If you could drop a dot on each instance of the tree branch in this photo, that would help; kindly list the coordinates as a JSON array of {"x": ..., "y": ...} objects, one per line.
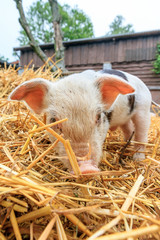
[
  {"x": 58, "y": 40},
  {"x": 25, "y": 26}
]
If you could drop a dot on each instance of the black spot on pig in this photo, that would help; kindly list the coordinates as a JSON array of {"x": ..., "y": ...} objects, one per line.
[
  {"x": 109, "y": 115},
  {"x": 131, "y": 102},
  {"x": 114, "y": 72}
]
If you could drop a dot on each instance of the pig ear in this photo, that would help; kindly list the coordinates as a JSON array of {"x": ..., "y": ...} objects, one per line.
[
  {"x": 111, "y": 87},
  {"x": 34, "y": 93}
]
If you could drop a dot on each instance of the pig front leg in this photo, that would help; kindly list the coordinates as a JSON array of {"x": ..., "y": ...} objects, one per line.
[
  {"x": 127, "y": 129},
  {"x": 141, "y": 122}
]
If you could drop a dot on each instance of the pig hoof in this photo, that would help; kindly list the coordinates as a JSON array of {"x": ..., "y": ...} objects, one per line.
[
  {"x": 88, "y": 168},
  {"x": 138, "y": 156}
]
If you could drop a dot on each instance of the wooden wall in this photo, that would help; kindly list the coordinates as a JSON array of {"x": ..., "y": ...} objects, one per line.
[
  {"x": 132, "y": 53},
  {"x": 28, "y": 56},
  {"x": 113, "y": 50}
]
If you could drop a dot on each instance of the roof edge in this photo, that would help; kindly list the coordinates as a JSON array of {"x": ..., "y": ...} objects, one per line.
[{"x": 97, "y": 39}]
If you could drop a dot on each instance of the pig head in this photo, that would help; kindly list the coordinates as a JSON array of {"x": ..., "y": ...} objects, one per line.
[{"x": 93, "y": 102}]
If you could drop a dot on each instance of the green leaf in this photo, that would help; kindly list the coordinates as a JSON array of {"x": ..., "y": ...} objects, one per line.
[
  {"x": 156, "y": 64},
  {"x": 75, "y": 23},
  {"x": 117, "y": 27}
]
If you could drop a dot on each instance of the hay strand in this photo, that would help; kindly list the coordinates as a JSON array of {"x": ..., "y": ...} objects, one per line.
[
  {"x": 131, "y": 234},
  {"x": 47, "y": 230},
  {"x": 125, "y": 207},
  {"x": 60, "y": 229},
  {"x": 15, "y": 225},
  {"x": 27, "y": 141}
]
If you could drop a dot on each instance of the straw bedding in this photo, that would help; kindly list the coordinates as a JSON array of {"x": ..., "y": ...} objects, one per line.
[{"x": 40, "y": 199}]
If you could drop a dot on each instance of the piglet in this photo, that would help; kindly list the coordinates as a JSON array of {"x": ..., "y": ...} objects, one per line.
[{"x": 93, "y": 102}]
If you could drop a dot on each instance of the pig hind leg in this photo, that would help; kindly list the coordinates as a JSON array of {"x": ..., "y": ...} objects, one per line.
[{"x": 141, "y": 122}]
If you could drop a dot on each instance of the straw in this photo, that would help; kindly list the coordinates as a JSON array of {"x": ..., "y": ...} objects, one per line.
[
  {"x": 15, "y": 225},
  {"x": 47, "y": 230},
  {"x": 133, "y": 233},
  {"x": 125, "y": 206},
  {"x": 41, "y": 199}
]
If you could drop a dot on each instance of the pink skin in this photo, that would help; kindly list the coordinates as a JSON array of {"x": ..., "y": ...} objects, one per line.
[{"x": 88, "y": 166}]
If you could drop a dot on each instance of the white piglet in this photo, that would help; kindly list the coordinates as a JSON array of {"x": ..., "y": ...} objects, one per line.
[{"x": 93, "y": 102}]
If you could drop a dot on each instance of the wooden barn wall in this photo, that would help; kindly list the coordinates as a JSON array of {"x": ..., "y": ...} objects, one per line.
[
  {"x": 94, "y": 54},
  {"x": 28, "y": 56},
  {"x": 133, "y": 55},
  {"x": 125, "y": 50}
]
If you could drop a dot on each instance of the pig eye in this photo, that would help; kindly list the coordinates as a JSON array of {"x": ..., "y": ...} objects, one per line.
[
  {"x": 58, "y": 126},
  {"x": 98, "y": 118},
  {"x": 52, "y": 120}
]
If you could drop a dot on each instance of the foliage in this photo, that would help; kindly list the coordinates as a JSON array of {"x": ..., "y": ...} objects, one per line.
[
  {"x": 117, "y": 27},
  {"x": 39, "y": 19},
  {"x": 156, "y": 63},
  {"x": 74, "y": 23},
  {"x": 4, "y": 59}
]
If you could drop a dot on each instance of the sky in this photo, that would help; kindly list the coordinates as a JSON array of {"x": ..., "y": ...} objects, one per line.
[{"x": 142, "y": 14}]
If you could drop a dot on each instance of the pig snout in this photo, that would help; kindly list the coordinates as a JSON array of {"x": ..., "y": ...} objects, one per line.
[
  {"x": 83, "y": 154},
  {"x": 88, "y": 166}
]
